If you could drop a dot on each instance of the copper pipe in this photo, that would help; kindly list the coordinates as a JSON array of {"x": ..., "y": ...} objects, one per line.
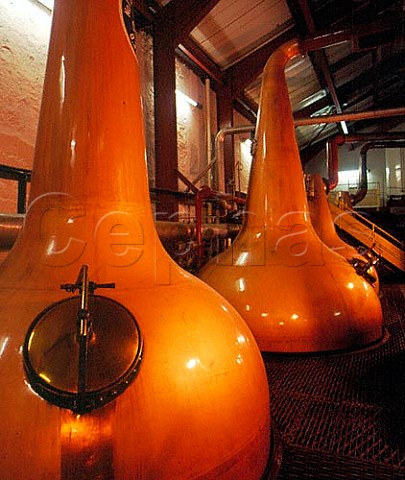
[
  {"x": 219, "y": 155},
  {"x": 355, "y": 34},
  {"x": 390, "y": 112},
  {"x": 298, "y": 122},
  {"x": 11, "y": 225},
  {"x": 332, "y": 165}
]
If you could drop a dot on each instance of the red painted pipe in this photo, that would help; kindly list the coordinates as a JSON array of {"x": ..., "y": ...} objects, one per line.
[
  {"x": 332, "y": 150},
  {"x": 363, "y": 183}
]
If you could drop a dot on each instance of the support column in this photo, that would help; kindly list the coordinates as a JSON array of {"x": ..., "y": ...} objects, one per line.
[
  {"x": 225, "y": 120},
  {"x": 164, "y": 68}
]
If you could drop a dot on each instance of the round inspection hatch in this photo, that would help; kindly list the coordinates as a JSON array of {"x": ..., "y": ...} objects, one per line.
[{"x": 76, "y": 372}]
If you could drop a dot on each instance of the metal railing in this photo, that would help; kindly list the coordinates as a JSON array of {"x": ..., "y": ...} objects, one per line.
[
  {"x": 22, "y": 176},
  {"x": 369, "y": 233}
]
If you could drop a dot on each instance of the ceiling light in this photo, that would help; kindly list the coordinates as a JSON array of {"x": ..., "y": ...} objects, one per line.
[
  {"x": 344, "y": 128},
  {"x": 315, "y": 97}
]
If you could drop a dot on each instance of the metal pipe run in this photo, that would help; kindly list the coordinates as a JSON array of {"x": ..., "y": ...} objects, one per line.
[
  {"x": 219, "y": 152},
  {"x": 363, "y": 181},
  {"x": 349, "y": 116},
  {"x": 206, "y": 193},
  {"x": 298, "y": 122},
  {"x": 332, "y": 151},
  {"x": 11, "y": 225},
  {"x": 219, "y": 156}
]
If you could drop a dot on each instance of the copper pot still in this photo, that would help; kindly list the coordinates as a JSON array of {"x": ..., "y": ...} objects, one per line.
[
  {"x": 115, "y": 363},
  {"x": 322, "y": 221},
  {"x": 295, "y": 293}
]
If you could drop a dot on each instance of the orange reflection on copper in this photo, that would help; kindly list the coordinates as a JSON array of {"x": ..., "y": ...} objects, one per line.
[
  {"x": 86, "y": 445},
  {"x": 199, "y": 407},
  {"x": 292, "y": 282},
  {"x": 324, "y": 226}
]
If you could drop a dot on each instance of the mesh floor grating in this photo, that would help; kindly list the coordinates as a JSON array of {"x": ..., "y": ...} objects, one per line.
[{"x": 343, "y": 416}]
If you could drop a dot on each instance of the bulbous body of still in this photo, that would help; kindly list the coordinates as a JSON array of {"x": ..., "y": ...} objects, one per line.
[
  {"x": 322, "y": 221},
  {"x": 133, "y": 369},
  {"x": 295, "y": 293}
]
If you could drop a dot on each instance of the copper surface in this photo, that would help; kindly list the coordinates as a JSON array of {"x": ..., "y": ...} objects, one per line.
[
  {"x": 295, "y": 294},
  {"x": 199, "y": 407},
  {"x": 322, "y": 221},
  {"x": 10, "y": 225}
]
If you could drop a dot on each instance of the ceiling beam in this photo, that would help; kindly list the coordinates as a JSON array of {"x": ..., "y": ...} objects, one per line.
[
  {"x": 389, "y": 69},
  {"x": 312, "y": 108},
  {"x": 143, "y": 9},
  {"x": 304, "y": 16},
  {"x": 322, "y": 67},
  {"x": 195, "y": 53},
  {"x": 340, "y": 14},
  {"x": 242, "y": 73},
  {"x": 380, "y": 32},
  {"x": 188, "y": 49},
  {"x": 246, "y": 107},
  {"x": 347, "y": 60},
  {"x": 182, "y": 16},
  {"x": 195, "y": 56}
]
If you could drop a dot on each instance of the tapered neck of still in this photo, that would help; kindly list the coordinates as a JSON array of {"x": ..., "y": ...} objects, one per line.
[
  {"x": 320, "y": 212},
  {"x": 276, "y": 188},
  {"x": 90, "y": 141}
]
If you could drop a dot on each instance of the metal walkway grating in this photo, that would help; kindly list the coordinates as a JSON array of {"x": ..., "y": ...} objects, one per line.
[{"x": 343, "y": 416}]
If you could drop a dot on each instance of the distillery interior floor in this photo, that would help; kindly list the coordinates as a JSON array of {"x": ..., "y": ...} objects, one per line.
[{"x": 342, "y": 416}]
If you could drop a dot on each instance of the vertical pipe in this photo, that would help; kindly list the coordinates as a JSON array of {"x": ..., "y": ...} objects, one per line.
[
  {"x": 208, "y": 128},
  {"x": 165, "y": 118},
  {"x": 332, "y": 151},
  {"x": 363, "y": 182},
  {"x": 22, "y": 194}
]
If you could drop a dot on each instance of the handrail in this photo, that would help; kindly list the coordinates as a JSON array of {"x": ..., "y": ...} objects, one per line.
[
  {"x": 23, "y": 176},
  {"x": 383, "y": 242},
  {"x": 20, "y": 175},
  {"x": 379, "y": 230},
  {"x": 14, "y": 173}
]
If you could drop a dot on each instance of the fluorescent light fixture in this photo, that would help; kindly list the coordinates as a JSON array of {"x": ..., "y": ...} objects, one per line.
[
  {"x": 47, "y": 3},
  {"x": 315, "y": 97},
  {"x": 344, "y": 127},
  {"x": 186, "y": 98}
]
